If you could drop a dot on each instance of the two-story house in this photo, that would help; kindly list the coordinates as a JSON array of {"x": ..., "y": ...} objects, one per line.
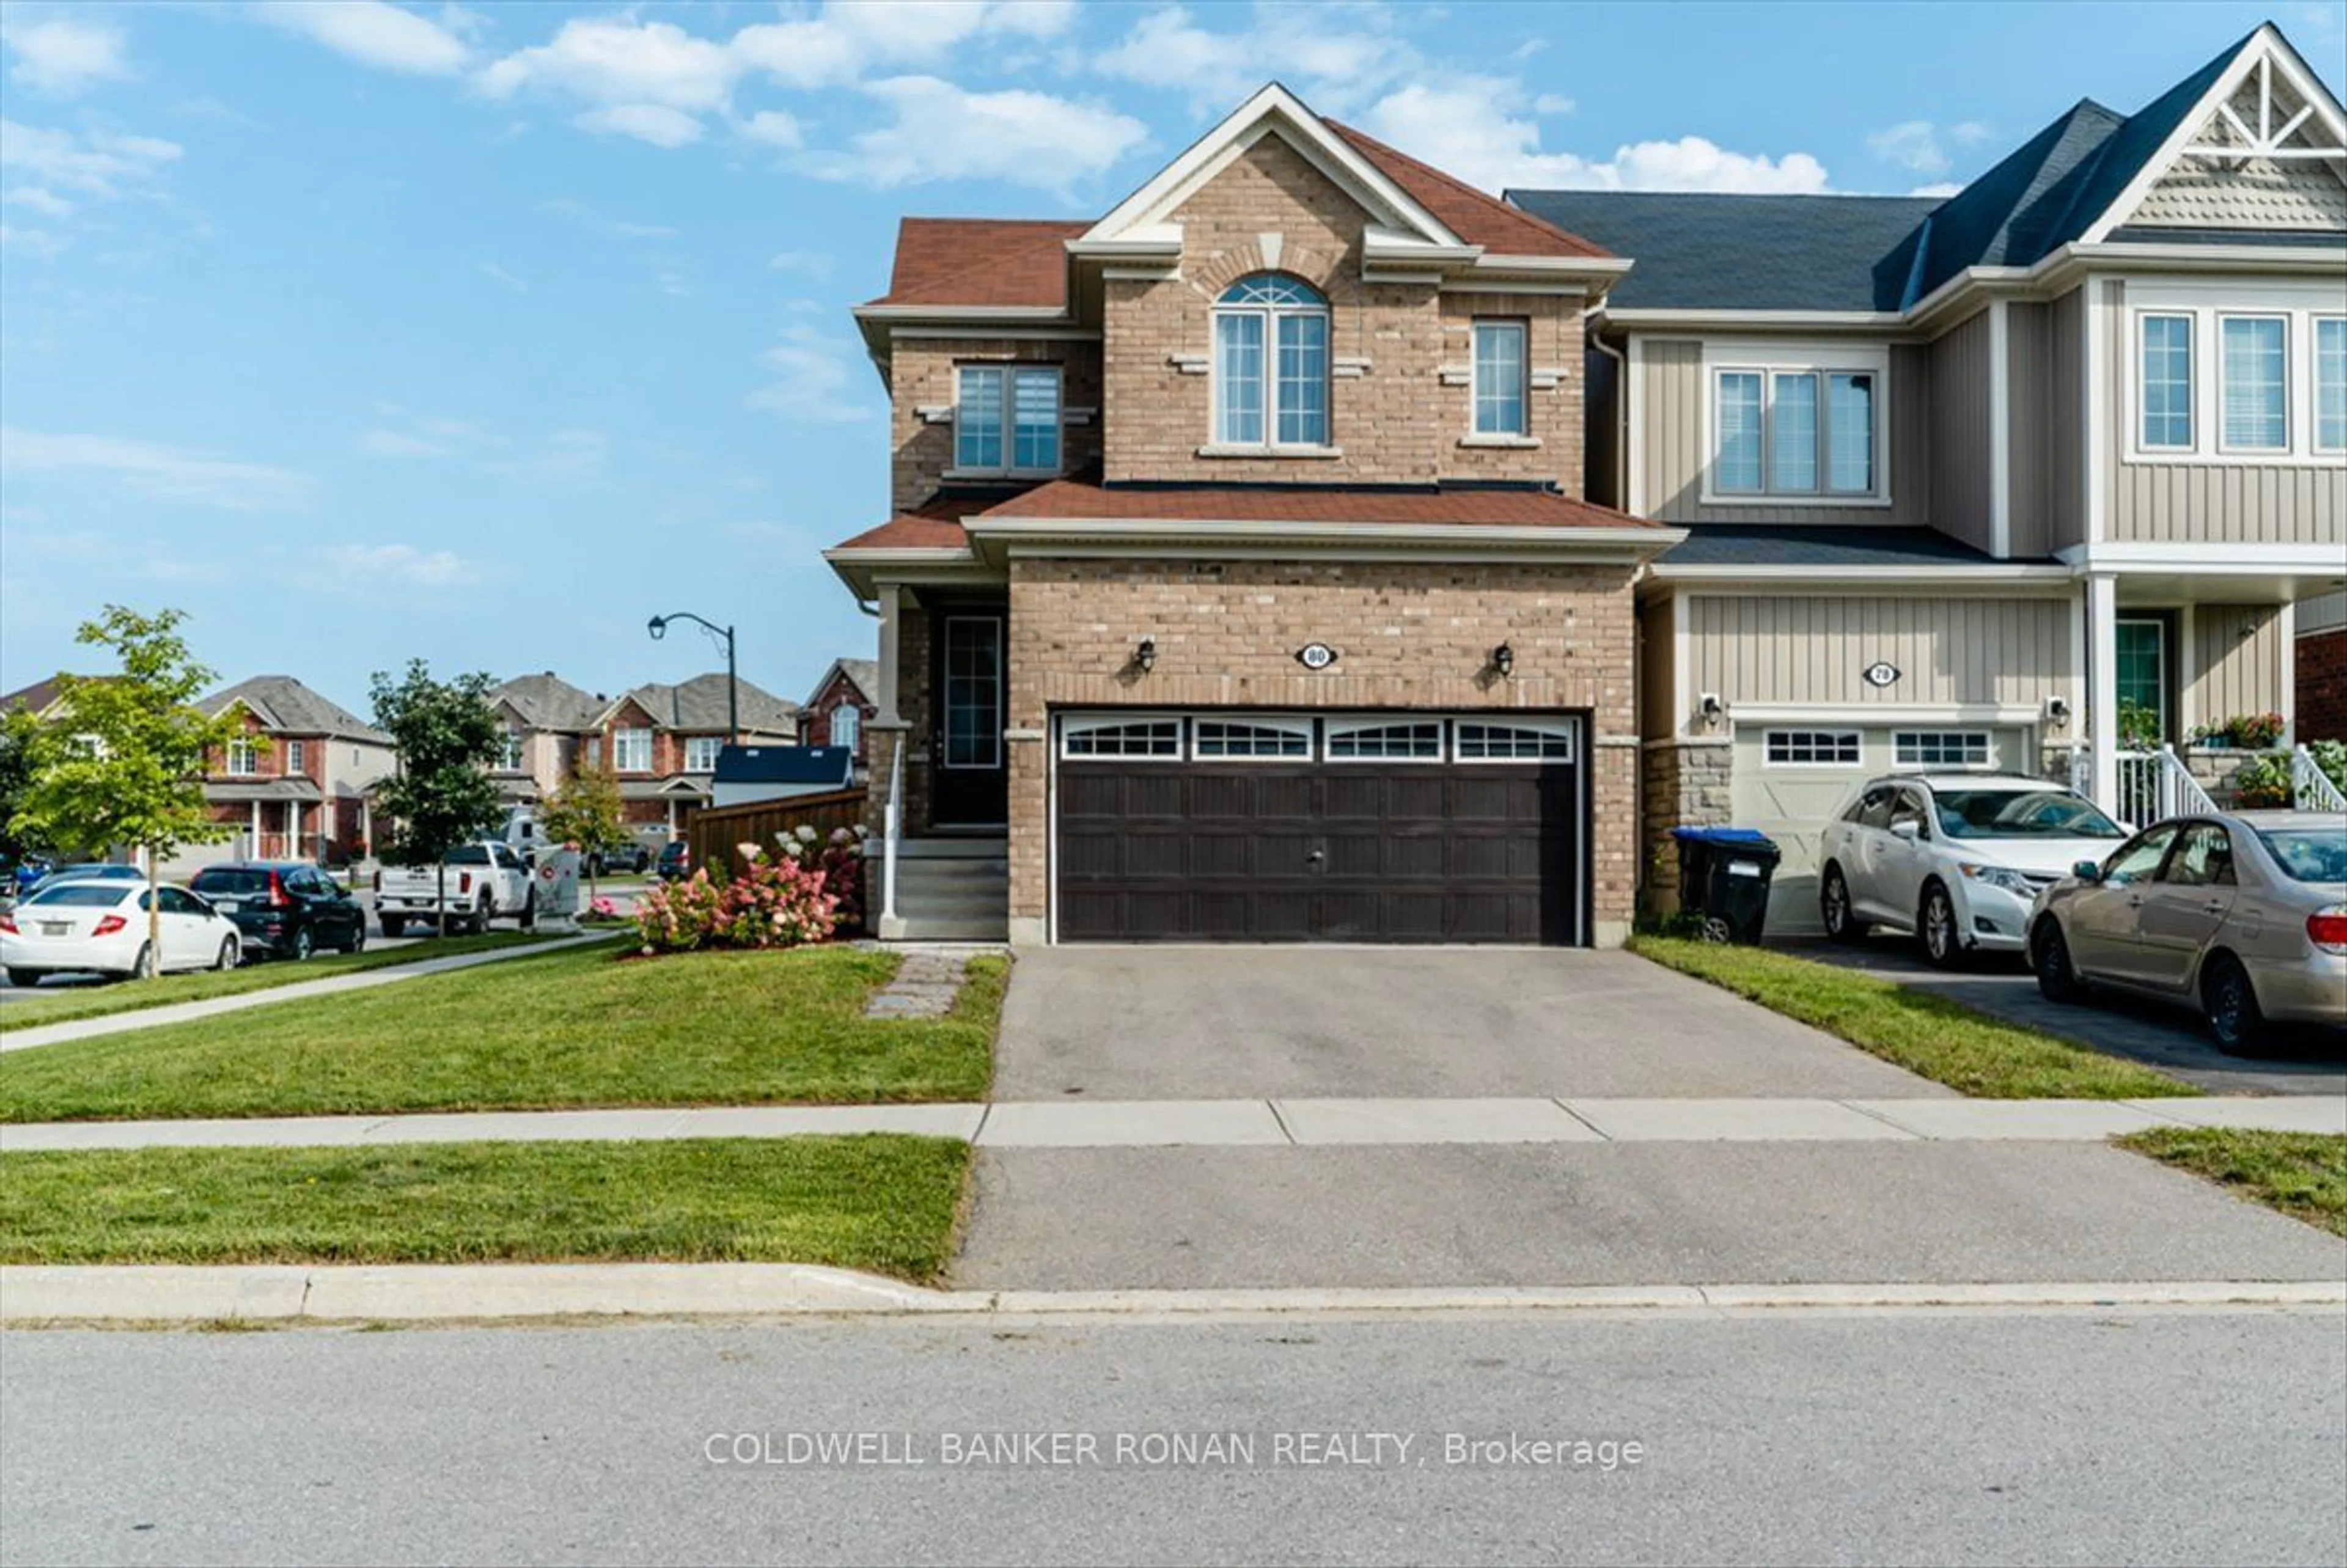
[
  {"x": 1239, "y": 583},
  {"x": 662, "y": 742},
  {"x": 547, "y": 722},
  {"x": 2038, "y": 469},
  {"x": 296, "y": 788},
  {"x": 841, "y": 703}
]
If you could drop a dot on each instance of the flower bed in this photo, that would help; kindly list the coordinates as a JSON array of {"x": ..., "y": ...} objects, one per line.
[{"x": 805, "y": 890}]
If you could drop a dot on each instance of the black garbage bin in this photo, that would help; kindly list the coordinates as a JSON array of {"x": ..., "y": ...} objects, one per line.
[{"x": 1723, "y": 875}]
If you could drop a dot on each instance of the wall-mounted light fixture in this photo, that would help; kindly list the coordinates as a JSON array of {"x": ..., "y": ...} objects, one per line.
[
  {"x": 1709, "y": 705},
  {"x": 1503, "y": 660},
  {"x": 2057, "y": 712},
  {"x": 1145, "y": 657}
]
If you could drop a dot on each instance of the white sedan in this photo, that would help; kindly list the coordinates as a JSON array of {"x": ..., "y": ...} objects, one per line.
[
  {"x": 101, "y": 928},
  {"x": 1955, "y": 858}
]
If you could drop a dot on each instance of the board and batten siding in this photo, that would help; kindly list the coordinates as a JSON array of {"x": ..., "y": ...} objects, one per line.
[
  {"x": 1960, "y": 432},
  {"x": 1672, "y": 391},
  {"x": 1810, "y": 649},
  {"x": 2064, "y": 430},
  {"x": 2235, "y": 663}
]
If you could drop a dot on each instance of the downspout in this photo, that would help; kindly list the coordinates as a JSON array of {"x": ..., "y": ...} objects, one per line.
[{"x": 1621, "y": 418}]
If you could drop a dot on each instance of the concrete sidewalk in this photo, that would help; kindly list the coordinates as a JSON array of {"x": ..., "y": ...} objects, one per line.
[
  {"x": 1251, "y": 1124},
  {"x": 181, "y": 1012}
]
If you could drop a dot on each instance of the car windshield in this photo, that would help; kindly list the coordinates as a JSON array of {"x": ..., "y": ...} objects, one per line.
[
  {"x": 2309, "y": 854},
  {"x": 80, "y": 896},
  {"x": 231, "y": 881},
  {"x": 2021, "y": 814}
]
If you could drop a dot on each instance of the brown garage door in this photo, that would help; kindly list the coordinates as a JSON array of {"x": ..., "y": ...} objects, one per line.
[{"x": 1473, "y": 833}]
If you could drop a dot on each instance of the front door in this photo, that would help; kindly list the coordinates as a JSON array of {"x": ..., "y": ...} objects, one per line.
[{"x": 972, "y": 774}]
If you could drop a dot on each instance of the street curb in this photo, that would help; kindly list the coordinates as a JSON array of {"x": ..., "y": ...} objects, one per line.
[{"x": 515, "y": 1293}]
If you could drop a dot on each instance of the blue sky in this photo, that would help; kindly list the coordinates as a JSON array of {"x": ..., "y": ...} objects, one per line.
[{"x": 486, "y": 333}]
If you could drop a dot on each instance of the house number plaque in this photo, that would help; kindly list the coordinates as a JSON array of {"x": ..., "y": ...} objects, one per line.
[
  {"x": 1879, "y": 674},
  {"x": 1316, "y": 656}
]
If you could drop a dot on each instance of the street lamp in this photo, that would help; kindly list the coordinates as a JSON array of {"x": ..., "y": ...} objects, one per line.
[{"x": 658, "y": 626}]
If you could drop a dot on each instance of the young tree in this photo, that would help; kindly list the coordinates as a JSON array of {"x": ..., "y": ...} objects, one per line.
[
  {"x": 123, "y": 764},
  {"x": 447, "y": 735},
  {"x": 20, "y": 732},
  {"x": 586, "y": 811}
]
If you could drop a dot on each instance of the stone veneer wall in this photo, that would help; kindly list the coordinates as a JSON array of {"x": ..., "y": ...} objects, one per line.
[{"x": 1686, "y": 783}]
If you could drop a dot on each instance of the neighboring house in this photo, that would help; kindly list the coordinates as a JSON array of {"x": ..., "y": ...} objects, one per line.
[
  {"x": 547, "y": 722},
  {"x": 296, "y": 788},
  {"x": 843, "y": 703},
  {"x": 749, "y": 773},
  {"x": 2322, "y": 660},
  {"x": 1240, "y": 584},
  {"x": 1964, "y": 478},
  {"x": 663, "y": 743},
  {"x": 41, "y": 699}
]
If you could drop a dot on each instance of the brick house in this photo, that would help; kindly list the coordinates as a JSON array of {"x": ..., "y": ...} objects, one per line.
[
  {"x": 841, "y": 705},
  {"x": 2322, "y": 668},
  {"x": 661, "y": 742},
  {"x": 547, "y": 721},
  {"x": 1239, "y": 583},
  {"x": 297, "y": 787}
]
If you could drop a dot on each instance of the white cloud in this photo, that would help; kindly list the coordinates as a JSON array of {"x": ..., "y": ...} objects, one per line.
[
  {"x": 62, "y": 56},
  {"x": 619, "y": 60},
  {"x": 429, "y": 438},
  {"x": 564, "y": 454},
  {"x": 37, "y": 243},
  {"x": 1336, "y": 57},
  {"x": 98, "y": 163},
  {"x": 1911, "y": 145},
  {"x": 164, "y": 473},
  {"x": 773, "y": 127},
  {"x": 655, "y": 123},
  {"x": 816, "y": 380},
  {"x": 945, "y": 132},
  {"x": 397, "y": 566},
  {"x": 498, "y": 274},
  {"x": 373, "y": 33},
  {"x": 1940, "y": 187},
  {"x": 45, "y": 203},
  {"x": 1470, "y": 129}
]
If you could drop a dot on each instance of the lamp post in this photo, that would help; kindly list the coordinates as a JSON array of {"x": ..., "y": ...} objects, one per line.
[{"x": 658, "y": 626}]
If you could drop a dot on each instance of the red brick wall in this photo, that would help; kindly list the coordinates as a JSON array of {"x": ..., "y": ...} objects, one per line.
[
  {"x": 2322, "y": 686},
  {"x": 815, "y": 723}
]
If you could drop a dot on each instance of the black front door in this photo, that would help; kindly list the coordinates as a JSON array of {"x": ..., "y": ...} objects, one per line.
[{"x": 970, "y": 769}]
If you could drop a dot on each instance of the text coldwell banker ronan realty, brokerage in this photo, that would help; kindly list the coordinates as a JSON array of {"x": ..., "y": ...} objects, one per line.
[{"x": 1220, "y": 1449}]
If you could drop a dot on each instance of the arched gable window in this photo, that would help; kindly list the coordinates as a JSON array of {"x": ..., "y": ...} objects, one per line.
[{"x": 1270, "y": 364}]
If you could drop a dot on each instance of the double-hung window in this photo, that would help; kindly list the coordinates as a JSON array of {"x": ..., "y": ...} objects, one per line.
[
  {"x": 2166, "y": 382},
  {"x": 843, "y": 721},
  {"x": 243, "y": 758},
  {"x": 700, "y": 753},
  {"x": 509, "y": 752},
  {"x": 2254, "y": 386},
  {"x": 631, "y": 750},
  {"x": 1796, "y": 432},
  {"x": 296, "y": 759},
  {"x": 2331, "y": 384},
  {"x": 1270, "y": 364},
  {"x": 1501, "y": 379},
  {"x": 1007, "y": 419}
]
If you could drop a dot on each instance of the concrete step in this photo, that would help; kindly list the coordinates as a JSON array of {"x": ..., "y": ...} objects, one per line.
[
  {"x": 953, "y": 909},
  {"x": 976, "y": 846},
  {"x": 957, "y": 928},
  {"x": 942, "y": 873}
]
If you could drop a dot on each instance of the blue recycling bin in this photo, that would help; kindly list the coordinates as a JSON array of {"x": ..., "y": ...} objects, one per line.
[{"x": 1723, "y": 875}]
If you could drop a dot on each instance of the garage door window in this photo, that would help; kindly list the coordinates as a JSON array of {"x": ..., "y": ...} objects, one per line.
[
  {"x": 1812, "y": 748},
  {"x": 1130, "y": 738},
  {"x": 1941, "y": 748},
  {"x": 1266, "y": 738},
  {"x": 1357, "y": 743},
  {"x": 1513, "y": 742}
]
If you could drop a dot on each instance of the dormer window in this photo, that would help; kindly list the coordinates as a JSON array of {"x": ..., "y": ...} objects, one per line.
[
  {"x": 1270, "y": 364},
  {"x": 1007, "y": 419}
]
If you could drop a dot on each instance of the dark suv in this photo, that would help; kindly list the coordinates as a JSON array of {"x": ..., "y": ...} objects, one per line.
[
  {"x": 630, "y": 857},
  {"x": 675, "y": 861},
  {"x": 283, "y": 908}
]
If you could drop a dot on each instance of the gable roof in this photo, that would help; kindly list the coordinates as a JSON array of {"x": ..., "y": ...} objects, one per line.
[
  {"x": 36, "y": 699},
  {"x": 1474, "y": 216},
  {"x": 864, "y": 674},
  {"x": 286, "y": 707},
  {"x": 699, "y": 703},
  {"x": 966, "y": 262},
  {"x": 547, "y": 702}
]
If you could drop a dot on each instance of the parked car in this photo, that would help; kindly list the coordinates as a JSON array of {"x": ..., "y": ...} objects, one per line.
[
  {"x": 2241, "y": 916},
  {"x": 675, "y": 861},
  {"x": 91, "y": 871},
  {"x": 630, "y": 857},
  {"x": 25, "y": 875},
  {"x": 98, "y": 926},
  {"x": 485, "y": 881},
  {"x": 1955, "y": 858},
  {"x": 285, "y": 909}
]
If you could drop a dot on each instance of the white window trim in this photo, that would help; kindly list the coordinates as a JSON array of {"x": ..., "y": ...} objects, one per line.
[
  {"x": 249, "y": 750},
  {"x": 2207, "y": 303},
  {"x": 1073, "y": 725},
  {"x": 2193, "y": 377},
  {"x": 855, "y": 717},
  {"x": 2291, "y": 368},
  {"x": 2314, "y": 323},
  {"x": 1857, "y": 742},
  {"x": 1476, "y": 434},
  {"x": 1354, "y": 726},
  {"x": 1009, "y": 370},
  {"x": 296, "y": 755},
  {"x": 621, "y": 749},
  {"x": 1766, "y": 360},
  {"x": 699, "y": 747},
  {"x": 1282, "y": 723},
  {"x": 1902, "y": 741},
  {"x": 1270, "y": 446},
  {"x": 1565, "y": 729}
]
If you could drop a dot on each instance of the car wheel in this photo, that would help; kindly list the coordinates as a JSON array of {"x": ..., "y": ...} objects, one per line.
[
  {"x": 1842, "y": 924},
  {"x": 24, "y": 980},
  {"x": 1936, "y": 923},
  {"x": 2232, "y": 1003},
  {"x": 225, "y": 959},
  {"x": 481, "y": 915},
  {"x": 303, "y": 945},
  {"x": 2049, "y": 956},
  {"x": 529, "y": 911},
  {"x": 393, "y": 926},
  {"x": 358, "y": 936}
]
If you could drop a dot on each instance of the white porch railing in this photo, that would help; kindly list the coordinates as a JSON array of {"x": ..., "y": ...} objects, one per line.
[
  {"x": 2311, "y": 788},
  {"x": 2155, "y": 785},
  {"x": 891, "y": 831}
]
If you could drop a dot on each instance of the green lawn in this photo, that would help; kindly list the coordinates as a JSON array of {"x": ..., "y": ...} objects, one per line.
[
  {"x": 1940, "y": 1039},
  {"x": 883, "y": 1203},
  {"x": 578, "y": 1028},
  {"x": 55, "y": 1005},
  {"x": 2303, "y": 1175}
]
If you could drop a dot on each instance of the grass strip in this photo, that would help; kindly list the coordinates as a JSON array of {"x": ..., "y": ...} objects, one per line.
[
  {"x": 2302, "y": 1174},
  {"x": 583, "y": 1026},
  {"x": 54, "y": 1005},
  {"x": 1938, "y": 1038},
  {"x": 885, "y": 1202}
]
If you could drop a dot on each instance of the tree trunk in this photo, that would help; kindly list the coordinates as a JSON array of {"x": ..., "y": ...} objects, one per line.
[
  {"x": 154, "y": 916},
  {"x": 441, "y": 894}
]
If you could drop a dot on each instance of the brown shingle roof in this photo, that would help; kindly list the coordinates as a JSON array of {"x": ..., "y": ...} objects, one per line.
[
  {"x": 981, "y": 262},
  {"x": 1088, "y": 499},
  {"x": 1478, "y": 219}
]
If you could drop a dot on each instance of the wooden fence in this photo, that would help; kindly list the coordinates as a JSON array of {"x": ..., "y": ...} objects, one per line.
[{"x": 712, "y": 831}]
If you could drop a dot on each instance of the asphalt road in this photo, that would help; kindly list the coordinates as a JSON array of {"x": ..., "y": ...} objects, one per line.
[{"x": 2201, "y": 1437}]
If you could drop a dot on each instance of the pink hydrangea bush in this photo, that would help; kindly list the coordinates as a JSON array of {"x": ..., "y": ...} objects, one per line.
[
  {"x": 774, "y": 902},
  {"x": 840, "y": 857}
]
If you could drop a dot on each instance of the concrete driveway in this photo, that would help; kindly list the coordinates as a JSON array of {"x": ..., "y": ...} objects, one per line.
[
  {"x": 2310, "y": 1061},
  {"x": 1213, "y": 1023}
]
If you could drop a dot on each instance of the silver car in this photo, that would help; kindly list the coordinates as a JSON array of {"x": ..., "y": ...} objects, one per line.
[{"x": 2244, "y": 917}]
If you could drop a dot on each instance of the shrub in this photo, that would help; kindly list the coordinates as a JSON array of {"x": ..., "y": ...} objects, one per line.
[
  {"x": 2331, "y": 756},
  {"x": 2260, "y": 783},
  {"x": 678, "y": 916},
  {"x": 839, "y": 856}
]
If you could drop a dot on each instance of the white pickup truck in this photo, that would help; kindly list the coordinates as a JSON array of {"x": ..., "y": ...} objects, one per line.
[{"x": 485, "y": 881}]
